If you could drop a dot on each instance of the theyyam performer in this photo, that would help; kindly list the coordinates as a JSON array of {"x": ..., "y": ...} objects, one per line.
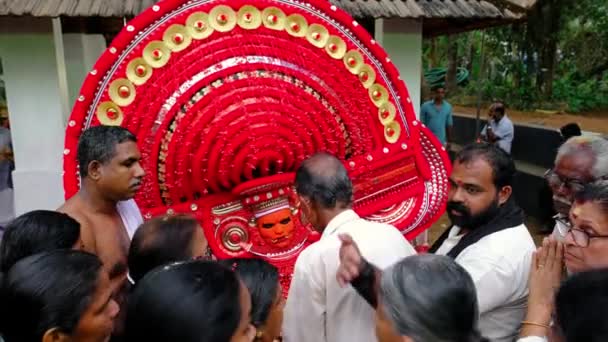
[{"x": 228, "y": 97}]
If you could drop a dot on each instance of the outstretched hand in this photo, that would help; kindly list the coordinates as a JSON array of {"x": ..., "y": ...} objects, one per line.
[{"x": 350, "y": 260}]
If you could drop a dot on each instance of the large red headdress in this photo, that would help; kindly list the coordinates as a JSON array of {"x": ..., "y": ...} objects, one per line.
[{"x": 227, "y": 97}]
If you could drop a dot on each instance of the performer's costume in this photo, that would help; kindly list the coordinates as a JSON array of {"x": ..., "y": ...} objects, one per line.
[{"x": 228, "y": 97}]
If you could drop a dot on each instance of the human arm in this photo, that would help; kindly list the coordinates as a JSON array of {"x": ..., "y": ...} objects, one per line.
[
  {"x": 424, "y": 115},
  {"x": 354, "y": 269},
  {"x": 545, "y": 277},
  {"x": 305, "y": 311},
  {"x": 448, "y": 129}
]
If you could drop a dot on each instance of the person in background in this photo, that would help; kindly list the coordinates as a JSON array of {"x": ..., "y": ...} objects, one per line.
[
  {"x": 164, "y": 240},
  {"x": 499, "y": 130},
  {"x": 7, "y": 165},
  {"x": 35, "y": 232},
  {"x": 570, "y": 130},
  {"x": 318, "y": 309},
  {"x": 579, "y": 161},
  {"x": 190, "y": 301},
  {"x": 63, "y": 295},
  {"x": 436, "y": 115},
  {"x": 267, "y": 302}
]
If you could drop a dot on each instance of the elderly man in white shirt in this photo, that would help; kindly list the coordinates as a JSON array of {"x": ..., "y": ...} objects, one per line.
[
  {"x": 318, "y": 309},
  {"x": 488, "y": 238}
]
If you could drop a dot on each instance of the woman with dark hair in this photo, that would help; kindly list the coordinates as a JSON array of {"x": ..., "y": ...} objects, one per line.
[
  {"x": 427, "y": 298},
  {"x": 194, "y": 301},
  {"x": 63, "y": 295},
  {"x": 267, "y": 302},
  {"x": 35, "y": 232},
  {"x": 163, "y": 240}
]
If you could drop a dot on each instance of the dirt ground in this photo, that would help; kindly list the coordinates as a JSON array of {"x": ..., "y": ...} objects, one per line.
[{"x": 592, "y": 122}]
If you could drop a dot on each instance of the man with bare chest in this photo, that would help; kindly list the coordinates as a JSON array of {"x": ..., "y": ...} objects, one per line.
[{"x": 111, "y": 174}]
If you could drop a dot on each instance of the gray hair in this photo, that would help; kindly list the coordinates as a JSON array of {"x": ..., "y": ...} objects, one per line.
[
  {"x": 597, "y": 145},
  {"x": 430, "y": 298}
]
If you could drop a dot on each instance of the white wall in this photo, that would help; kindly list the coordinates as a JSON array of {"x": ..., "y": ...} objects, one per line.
[
  {"x": 37, "y": 121},
  {"x": 81, "y": 52},
  {"x": 402, "y": 40}
]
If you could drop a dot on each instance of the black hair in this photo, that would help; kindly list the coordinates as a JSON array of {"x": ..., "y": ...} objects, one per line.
[
  {"x": 499, "y": 107},
  {"x": 431, "y": 298},
  {"x": 35, "y": 232},
  {"x": 503, "y": 167},
  {"x": 187, "y": 302},
  {"x": 262, "y": 281},
  {"x": 596, "y": 192},
  {"x": 46, "y": 291},
  {"x": 99, "y": 144},
  {"x": 582, "y": 307},
  {"x": 160, "y": 241},
  {"x": 325, "y": 180},
  {"x": 570, "y": 130}
]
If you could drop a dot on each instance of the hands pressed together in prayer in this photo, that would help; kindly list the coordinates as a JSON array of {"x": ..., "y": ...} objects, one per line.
[{"x": 545, "y": 277}]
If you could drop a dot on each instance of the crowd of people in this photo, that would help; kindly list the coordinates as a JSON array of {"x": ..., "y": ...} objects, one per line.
[{"x": 94, "y": 271}]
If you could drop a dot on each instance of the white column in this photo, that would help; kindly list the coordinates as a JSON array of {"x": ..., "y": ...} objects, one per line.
[
  {"x": 402, "y": 40},
  {"x": 37, "y": 119}
]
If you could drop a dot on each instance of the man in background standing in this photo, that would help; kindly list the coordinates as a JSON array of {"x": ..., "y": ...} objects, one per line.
[{"x": 436, "y": 114}]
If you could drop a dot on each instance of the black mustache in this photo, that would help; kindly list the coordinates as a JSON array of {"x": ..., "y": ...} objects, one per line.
[{"x": 457, "y": 206}]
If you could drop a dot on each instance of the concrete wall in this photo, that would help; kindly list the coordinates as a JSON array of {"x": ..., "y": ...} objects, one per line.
[
  {"x": 81, "y": 52},
  {"x": 402, "y": 40}
]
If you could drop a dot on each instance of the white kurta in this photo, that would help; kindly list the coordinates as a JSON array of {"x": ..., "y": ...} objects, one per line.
[
  {"x": 499, "y": 265},
  {"x": 318, "y": 309}
]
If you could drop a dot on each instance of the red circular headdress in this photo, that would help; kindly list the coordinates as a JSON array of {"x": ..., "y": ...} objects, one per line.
[{"x": 227, "y": 97}]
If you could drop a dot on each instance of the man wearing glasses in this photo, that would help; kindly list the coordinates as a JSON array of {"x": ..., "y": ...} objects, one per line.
[{"x": 580, "y": 160}]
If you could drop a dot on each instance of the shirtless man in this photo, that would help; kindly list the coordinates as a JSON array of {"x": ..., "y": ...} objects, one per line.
[{"x": 111, "y": 174}]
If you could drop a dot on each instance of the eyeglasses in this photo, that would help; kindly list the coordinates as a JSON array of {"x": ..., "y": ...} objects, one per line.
[
  {"x": 580, "y": 237},
  {"x": 555, "y": 181}
]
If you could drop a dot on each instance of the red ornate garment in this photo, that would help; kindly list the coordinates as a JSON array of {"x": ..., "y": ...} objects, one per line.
[{"x": 227, "y": 97}]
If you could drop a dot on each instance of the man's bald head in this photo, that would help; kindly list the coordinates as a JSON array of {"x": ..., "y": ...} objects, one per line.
[{"x": 324, "y": 180}]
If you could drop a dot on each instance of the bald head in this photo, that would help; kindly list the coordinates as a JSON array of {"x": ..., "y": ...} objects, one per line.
[{"x": 324, "y": 180}]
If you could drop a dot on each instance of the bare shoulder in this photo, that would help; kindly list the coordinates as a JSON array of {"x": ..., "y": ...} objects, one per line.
[{"x": 73, "y": 207}]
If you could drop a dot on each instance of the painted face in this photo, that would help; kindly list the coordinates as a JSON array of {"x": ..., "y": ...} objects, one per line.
[{"x": 277, "y": 228}]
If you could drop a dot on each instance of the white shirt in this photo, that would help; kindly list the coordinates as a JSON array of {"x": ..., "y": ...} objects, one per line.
[
  {"x": 504, "y": 131},
  {"x": 499, "y": 264},
  {"x": 318, "y": 309},
  {"x": 130, "y": 215}
]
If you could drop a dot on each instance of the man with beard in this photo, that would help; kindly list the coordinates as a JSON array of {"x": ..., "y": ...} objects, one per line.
[
  {"x": 579, "y": 161},
  {"x": 111, "y": 174},
  {"x": 487, "y": 237}
]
